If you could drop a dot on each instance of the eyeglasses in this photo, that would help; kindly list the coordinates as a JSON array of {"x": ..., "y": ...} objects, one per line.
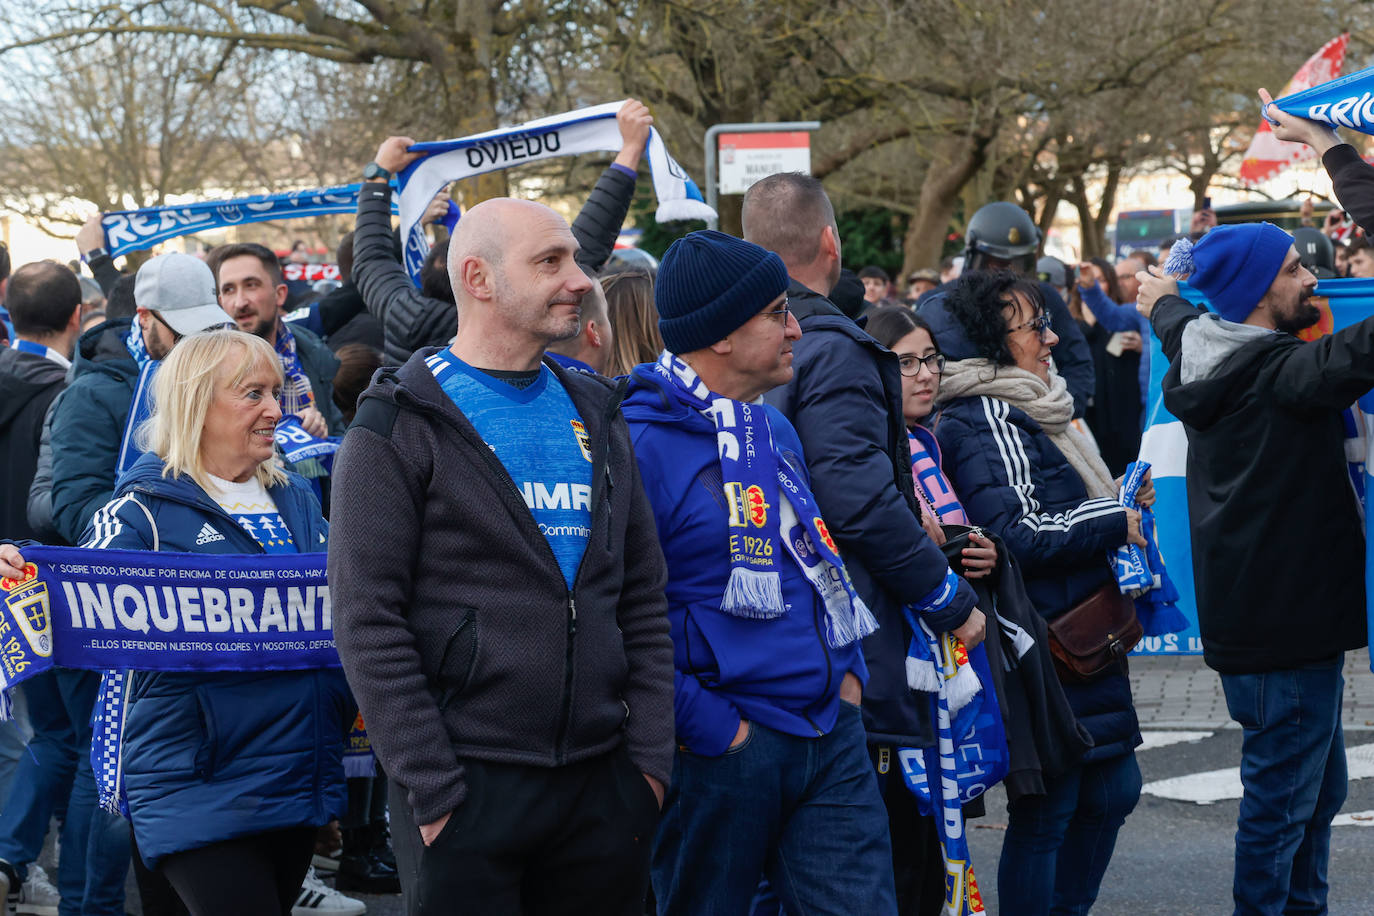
[
  {"x": 780, "y": 314},
  {"x": 1040, "y": 324},
  {"x": 911, "y": 365}
]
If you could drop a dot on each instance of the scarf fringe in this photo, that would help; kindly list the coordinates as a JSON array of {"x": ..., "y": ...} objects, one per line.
[
  {"x": 754, "y": 595},
  {"x": 962, "y": 688},
  {"x": 921, "y": 675},
  {"x": 672, "y": 210}
]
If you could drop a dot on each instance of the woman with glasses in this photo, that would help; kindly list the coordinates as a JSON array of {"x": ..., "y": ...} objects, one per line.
[
  {"x": 921, "y": 362},
  {"x": 1025, "y": 473}
]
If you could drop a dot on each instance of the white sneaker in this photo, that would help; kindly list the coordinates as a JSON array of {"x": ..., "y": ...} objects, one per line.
[
  {"x": 317, "y": 897},
  {"x": 37, "y": 896}
]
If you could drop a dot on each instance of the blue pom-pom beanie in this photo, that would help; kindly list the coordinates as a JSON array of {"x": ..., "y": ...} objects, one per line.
[
  {"x": 709, "y": 283},
  {"x": 1234, "y": 266}
]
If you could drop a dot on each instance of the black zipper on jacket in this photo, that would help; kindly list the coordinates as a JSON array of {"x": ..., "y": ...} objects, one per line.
[{"x": 825, "y": 650}]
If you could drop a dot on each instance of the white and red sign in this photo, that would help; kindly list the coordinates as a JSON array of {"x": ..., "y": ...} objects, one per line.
[
  {"x": 1268, "y": 155},
  {"x": 746, "y": 157}
]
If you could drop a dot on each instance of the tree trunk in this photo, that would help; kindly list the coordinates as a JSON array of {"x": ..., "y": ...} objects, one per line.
[{"x": 953, "y": 166}]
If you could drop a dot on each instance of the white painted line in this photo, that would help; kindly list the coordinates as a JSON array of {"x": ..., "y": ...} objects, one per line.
[
  {"x": 1154, "y": 739},
  {"x": 1219, "y": 785},
  {"x": 1354, "y": 819}
]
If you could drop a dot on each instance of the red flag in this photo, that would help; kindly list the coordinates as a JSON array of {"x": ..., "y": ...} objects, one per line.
[{"x": 1268, "y": 155}]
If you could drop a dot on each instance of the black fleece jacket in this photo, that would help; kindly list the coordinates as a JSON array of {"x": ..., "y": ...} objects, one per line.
[{"x": 455, "y": 625}]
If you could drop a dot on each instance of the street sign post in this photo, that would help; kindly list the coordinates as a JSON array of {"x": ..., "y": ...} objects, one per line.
[{"x": 737, "y": 155}]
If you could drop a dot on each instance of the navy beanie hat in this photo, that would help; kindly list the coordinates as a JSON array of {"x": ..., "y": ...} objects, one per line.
[
  {"x": 1233, "y": 266},
  {"x": 710, "y": 283}
]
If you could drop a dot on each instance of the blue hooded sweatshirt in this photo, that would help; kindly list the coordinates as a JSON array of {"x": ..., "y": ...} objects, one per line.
[{"x": 780, "y": 673}]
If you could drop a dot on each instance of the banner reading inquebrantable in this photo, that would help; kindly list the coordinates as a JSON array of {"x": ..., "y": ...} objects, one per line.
[{"x": 117, "y": 609}]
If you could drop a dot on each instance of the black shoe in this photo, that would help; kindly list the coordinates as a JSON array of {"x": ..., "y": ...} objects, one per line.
[
  {"x": 367, "y": 874},
  {"x": 381, "y": 843}
]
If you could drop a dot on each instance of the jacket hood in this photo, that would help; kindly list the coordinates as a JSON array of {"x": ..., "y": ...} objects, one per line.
[
  {"x": 649, "y": 400},
  {"x": 1214, "y": 357},
  {"x": 22, "y": 377},
  {"x": 101, "y": 349}
]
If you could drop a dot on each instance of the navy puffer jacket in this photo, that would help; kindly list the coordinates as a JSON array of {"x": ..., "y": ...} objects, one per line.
[
  {"x": 211, "y": 757},
  {"x": 1013, "y": 480}
]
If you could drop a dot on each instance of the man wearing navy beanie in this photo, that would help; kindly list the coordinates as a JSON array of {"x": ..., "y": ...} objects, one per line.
[
  {"x": 771, "y": 776},
  {"x": 1278, "y": 543}
]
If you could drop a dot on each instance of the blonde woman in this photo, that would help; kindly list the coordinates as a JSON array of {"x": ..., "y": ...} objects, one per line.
[
  {"x": 227, "y": 775},
  {"x": 634, "y": 320}
]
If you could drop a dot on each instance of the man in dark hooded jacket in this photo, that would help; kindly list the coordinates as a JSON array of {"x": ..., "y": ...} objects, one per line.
[{"x": 44, "y": 303}]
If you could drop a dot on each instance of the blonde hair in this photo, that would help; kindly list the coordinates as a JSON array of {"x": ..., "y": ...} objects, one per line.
[
  {"x": 183, "y": 389},
  {"x": 634, "y": 320}
]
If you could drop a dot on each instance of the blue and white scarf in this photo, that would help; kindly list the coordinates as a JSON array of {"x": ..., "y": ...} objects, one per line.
[
  {"x": 38, "y": 349},
  {"x": 970, "y": 756},
  {"x": 296, "y": 394},
  {"x": 141, "y": 407},
  {"x": 586, "y": 130},
  {"x": 752, "y": 474},
  {"x": 134, "y": 230},
  {"x": 1141, "y": 573}
]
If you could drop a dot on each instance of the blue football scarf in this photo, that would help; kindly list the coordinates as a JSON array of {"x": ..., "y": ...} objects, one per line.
[
  {"x": 124, "y": 611},
  {"x": 1344, "y": 102},
  {"x": 970, "y": 756},
  {"x": 1141, "y": 573},
  {"x": 296, "y": 394},
  {"x": 586, "y": 130},
  {"x": 297, "y": 445},
  {"x": 134, "y": 230},
  {"x": 753, "y": 473},
  {"x": 141, "y": 407}
]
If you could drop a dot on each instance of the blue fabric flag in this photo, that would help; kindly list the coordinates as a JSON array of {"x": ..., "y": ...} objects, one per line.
[
  {"x": 1344, "y": 102},
  {"x": 1140, "y": 572},
  {"x": 134, "y": 230}
]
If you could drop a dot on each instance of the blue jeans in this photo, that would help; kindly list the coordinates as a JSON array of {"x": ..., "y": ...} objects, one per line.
[
  {"x": 56, "y": 766},
  {"x": 1292, "y": 766},
  {"x": 805, "y": 812},
  {"x": 14, "y": 738},
  {"x": 1058, "y": 844}
]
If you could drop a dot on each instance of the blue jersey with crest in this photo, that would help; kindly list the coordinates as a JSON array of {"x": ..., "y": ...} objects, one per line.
[{"x": 538, "y": 435}]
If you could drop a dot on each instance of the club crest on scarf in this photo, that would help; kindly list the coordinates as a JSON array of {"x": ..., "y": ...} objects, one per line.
[
  {"x": 583, "y": 441},
  {"x": 26, "y": 605},
  {"x": 754, "y": 474}
]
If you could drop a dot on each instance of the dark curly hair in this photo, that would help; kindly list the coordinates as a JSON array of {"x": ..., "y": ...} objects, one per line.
[{"x": 977, "y": 301}]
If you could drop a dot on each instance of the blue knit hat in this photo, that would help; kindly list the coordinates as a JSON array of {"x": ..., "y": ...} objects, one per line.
[
  {"x": 1233, "y": 266},
  {"x": 709, "y": 284}
]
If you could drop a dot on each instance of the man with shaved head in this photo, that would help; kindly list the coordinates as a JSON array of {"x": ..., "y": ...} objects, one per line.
[{"x": 498, "y": 595}]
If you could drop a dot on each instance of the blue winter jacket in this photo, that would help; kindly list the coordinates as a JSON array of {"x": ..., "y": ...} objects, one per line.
[
  {"x": 780, "y": 673},
  {"x": 1014, "y": 481},
  {"x": 845, "y": 402},
  {"x": 211, "y": 757}
]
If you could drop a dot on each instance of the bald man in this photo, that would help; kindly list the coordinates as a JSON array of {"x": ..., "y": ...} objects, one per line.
[{"x": 498, "y": 596}]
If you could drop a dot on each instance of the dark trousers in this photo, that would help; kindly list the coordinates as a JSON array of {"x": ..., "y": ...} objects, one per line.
[
  {"x": 259, "y": 874},
  {"x": 804, "y": 812},
  {"x": 1058, "y": 845},
  {"x": 1292, "y": 766},
  {"x": 534, "y": 840},
  {"x": 918, "y": 865}
]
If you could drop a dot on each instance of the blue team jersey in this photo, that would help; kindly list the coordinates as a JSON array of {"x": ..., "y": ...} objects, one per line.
[{"x": 538, "y": 435}]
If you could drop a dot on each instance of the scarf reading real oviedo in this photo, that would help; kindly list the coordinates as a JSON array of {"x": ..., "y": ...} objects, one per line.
[{"x": 753, "y": 473}]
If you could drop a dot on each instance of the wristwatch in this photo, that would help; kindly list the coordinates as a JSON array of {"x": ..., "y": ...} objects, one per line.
[
  {"x": 94, "y": 253},
  {"x": 374, "y": 172}
]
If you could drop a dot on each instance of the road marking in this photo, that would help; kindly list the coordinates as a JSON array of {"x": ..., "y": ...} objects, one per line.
[
  {"x": 1219, "y": 785},
  {"x": 1354, "y": 819},
  {"x": 1154, "y": 739}
]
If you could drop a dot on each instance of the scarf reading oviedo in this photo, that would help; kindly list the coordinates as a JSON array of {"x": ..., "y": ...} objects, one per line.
[{"x": 752, "y": 472}]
